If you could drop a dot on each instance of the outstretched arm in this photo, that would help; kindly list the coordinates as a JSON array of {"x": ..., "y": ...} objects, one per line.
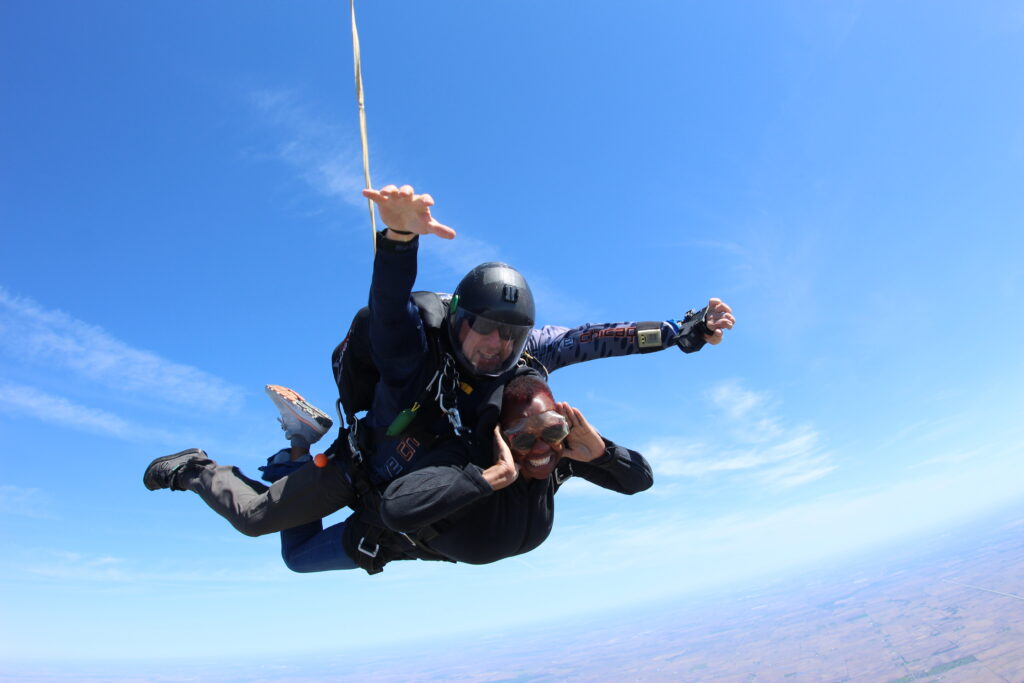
[{"x": 556, "y": 347}]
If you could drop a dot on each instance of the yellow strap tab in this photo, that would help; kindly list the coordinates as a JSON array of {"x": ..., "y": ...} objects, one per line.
[{"x": 362, "y": 119}]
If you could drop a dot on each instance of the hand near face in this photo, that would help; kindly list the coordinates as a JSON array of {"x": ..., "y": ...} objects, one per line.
[
  {"x": 583, "y": 443},
  {"x": 718, "y": 318},
  {"x": 504, "y": 470},
  {"x": 402, "y": 209}
]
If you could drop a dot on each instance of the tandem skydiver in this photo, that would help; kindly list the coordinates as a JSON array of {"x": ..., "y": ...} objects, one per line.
[
  {"x": 469, "y": 366},
  {"x": 486, "y": 334},
  {"x": 470, "y": 519}
]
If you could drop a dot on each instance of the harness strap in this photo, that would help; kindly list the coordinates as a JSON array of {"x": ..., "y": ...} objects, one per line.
[{"x": 377, "y": 544}]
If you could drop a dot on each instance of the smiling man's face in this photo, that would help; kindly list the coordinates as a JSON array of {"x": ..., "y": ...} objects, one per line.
[
  {"x": 485, "y": 352},
  {"x": 536, "y": 434}
]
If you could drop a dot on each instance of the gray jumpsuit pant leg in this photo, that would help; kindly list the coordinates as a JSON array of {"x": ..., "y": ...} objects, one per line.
[{"x": 306, "y": 495}]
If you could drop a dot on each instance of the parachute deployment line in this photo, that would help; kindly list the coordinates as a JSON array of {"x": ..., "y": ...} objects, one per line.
[{"x": 362, "y": 119}]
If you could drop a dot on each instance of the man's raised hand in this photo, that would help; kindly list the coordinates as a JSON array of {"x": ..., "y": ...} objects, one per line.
[
  {"x": 717, "y": 319},
  {"x": 402, "y": 209}
]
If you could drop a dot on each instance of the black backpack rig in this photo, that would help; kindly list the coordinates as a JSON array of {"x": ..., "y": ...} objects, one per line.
[{"x": 356, "y": 376}]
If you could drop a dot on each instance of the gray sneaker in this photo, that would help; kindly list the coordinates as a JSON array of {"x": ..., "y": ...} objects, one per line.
[
  {"x": 298, "y": 418},
  {"x": 163, "y": 472}
]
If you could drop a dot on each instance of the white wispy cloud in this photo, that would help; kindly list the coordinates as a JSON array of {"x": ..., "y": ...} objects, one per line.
[
  {"x": 327, "y": 156},
  {"x": 63, "y": 565},
  {"x": 816, "y": 527},
  {"x": 757, "y": 443},
  {"x": 798, "y": 471},
  {"x": 15, "y": 500},
  {"x": 79, "y": 566},
  {"x": 460, "y": 256},
  {"x": 950, "y": 457},
  {"x": 22, "y": 400},
  {"x": 734, "y": 400},
  {"x": 53, "y": 340},
  {"x": 328, "y": 159}
]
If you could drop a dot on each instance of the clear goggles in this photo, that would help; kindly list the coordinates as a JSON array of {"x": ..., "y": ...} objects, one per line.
[{"x": 550, "y": 427}]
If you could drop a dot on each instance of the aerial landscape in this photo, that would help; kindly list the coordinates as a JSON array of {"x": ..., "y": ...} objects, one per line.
[
  {"x": 954, "y": 612},
  {"x": 949, "y": 607},
  {"x": 827, "y": 487}
]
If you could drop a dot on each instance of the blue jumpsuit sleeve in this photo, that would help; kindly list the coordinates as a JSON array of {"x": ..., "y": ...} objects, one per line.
[
  {"x": 397, "y": 339},
  {"x": 557, "y": 347},
  {"x": 619, "y": 469}
]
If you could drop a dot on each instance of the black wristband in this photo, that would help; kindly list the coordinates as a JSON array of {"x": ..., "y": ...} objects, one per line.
[
  {"x": 386, "y": 243},
  {"x": 704, "y": 321},
  {"x": 400, "y": 232},
  {"x": 692, "y": 331}
]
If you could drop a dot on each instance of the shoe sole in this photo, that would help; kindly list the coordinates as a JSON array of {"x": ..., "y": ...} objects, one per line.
[
  {"x": 298, "y": 406},
  {"x": 148, "y": 482}
]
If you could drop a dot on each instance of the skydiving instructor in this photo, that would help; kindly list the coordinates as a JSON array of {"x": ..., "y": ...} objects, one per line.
[
  {"x": 488, "y": 334},
  {"x": 478, "y": 349}
]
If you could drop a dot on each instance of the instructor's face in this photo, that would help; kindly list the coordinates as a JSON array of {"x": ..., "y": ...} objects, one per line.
[
  {"x": 538, "y": 419},
  {"x": 486, "y": 352}
]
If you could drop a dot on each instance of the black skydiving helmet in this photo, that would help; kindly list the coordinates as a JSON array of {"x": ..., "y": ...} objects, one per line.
[{"x": 493, "y": 297}]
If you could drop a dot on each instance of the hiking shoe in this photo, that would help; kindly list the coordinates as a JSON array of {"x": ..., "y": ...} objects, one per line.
[
  {"x": 163, "y": 472},
  {"x": 298, "y": 418}
]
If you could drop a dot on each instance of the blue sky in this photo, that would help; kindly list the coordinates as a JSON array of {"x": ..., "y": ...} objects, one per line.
[{"x": 180, "y": 224}]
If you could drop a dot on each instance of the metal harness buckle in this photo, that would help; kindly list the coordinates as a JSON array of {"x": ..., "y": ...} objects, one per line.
[
  {"x": 353, "y": 443},
  {"x": 449, "y": 380},
  {"x": 367, "y": 551}
]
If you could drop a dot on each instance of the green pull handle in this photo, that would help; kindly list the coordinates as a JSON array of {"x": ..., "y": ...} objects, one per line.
[{"x": 402, "y": 421}]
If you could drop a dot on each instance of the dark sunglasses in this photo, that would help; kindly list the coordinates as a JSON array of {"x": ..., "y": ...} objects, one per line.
[{"x": 484, "y": 327}]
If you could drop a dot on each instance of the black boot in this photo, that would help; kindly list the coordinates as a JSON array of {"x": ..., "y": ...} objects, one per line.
[{"x": 163, "y": 472}]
